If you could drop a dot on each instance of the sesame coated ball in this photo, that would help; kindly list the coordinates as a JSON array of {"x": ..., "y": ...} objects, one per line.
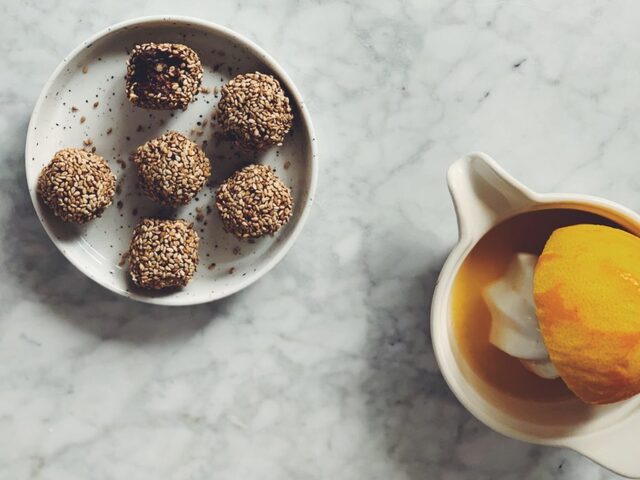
[
  {"x": 77, "y": 185},
  {"x": 254, "y": 111},
  {"x": 254, "y": 202},
  {"x": 171, "y": 168},
  {"x": 163, "y": 254},
  {"x": 163, "y": 76}
]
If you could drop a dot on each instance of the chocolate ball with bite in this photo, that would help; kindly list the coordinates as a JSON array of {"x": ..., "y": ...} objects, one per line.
[{"x": 163, "y": 76}]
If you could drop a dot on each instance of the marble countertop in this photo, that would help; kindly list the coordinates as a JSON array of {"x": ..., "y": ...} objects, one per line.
[{"x": 324, "y": 368}]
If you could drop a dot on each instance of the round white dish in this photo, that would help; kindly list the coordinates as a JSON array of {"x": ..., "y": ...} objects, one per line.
[{"x": 90, "y": 83}]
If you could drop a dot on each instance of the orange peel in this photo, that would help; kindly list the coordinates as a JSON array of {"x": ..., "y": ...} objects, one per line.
[{"x": 587, "y": 296}]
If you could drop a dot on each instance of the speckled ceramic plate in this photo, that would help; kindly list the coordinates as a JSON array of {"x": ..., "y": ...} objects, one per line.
[{"x": 89, "y": 85}]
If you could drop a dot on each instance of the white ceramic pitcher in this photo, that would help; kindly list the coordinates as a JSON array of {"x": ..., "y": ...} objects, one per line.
[{"x": 484, "y": 195}]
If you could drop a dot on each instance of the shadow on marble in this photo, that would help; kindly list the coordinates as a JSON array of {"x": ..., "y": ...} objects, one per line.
[
  {"x": 423, "y": 428},
  {"x": 36, "y": 270}
]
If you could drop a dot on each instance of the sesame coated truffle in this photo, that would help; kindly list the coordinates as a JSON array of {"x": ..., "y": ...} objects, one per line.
[
  {"x": 163, "y": 254},
  {"x": 254, "y": 111},
  {"x": 254, "y": 202},
  {"x": 77, "y": 185},
  {"x": 171, "y": 168},
  {"x": 163, "y": 76}
]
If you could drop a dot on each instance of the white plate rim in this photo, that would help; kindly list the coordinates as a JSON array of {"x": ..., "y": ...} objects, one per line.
[{"x": 284, "y": 247}]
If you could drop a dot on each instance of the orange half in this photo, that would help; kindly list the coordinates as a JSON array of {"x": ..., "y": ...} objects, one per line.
[{"x": 587, "y": 295}]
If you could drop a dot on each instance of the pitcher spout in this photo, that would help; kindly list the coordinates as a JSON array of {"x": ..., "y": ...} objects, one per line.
[{"x": 484, "y": 194}]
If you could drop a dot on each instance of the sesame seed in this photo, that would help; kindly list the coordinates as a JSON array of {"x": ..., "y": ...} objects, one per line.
[
  {"x": 123, "y": 258},
  {"x": 199, "y": 214}
]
